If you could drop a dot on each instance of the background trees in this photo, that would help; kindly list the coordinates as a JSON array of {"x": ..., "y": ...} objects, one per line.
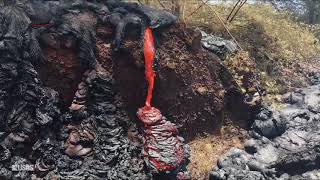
[{"x": 307, "y": 10}]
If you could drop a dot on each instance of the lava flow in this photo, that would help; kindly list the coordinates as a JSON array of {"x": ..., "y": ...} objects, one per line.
[
  {"x": 149, "y": 52},
  {"x": 163, "y": 149}
]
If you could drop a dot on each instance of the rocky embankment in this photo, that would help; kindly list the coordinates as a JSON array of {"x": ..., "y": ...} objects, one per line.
[{"x": 284, "y": 144}]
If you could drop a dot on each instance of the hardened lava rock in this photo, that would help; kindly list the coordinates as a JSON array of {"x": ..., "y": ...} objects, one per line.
[
  {"x": 73, "y": 145},
  {"x": 284, "y": 144},
  {"x": 94, "y": 134},
  {"x": 163, "y": 150},
  {"x": 136, "y": 17},
  {"x": 218, "y": 45},
  {"x": 88, "y": 140},
  {"x": 27, "y": 108},
  {"x": 24, "y": 104}
]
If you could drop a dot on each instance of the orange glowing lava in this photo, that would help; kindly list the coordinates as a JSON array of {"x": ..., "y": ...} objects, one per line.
[{"x": 149, "y": 53}]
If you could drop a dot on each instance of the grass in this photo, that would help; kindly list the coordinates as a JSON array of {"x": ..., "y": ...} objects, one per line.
[
  {"x": 207, "y": 150},
  {"x": 275, "y": 41},
  {"x": 280, "y": 46},
  {"x": 260, "y": 27}
]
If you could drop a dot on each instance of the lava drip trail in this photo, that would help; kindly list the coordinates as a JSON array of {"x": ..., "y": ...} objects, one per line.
[
  {"x": 164, "y": 152},
  {"x": 149, "y": 53}
]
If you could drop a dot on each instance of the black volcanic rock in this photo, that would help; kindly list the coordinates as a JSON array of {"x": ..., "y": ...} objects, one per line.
[
  {"x": 284, "y": 144},
  {"x": 89, "y": 140}
]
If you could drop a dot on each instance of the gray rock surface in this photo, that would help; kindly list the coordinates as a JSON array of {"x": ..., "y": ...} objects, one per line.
[
  {"x": 218, "y": 45},
  {"x": 284, "y": 144}
]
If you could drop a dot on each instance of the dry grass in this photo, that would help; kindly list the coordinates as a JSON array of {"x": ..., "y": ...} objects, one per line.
[
  {"x": 275, "y": 41},
  {"x": 282, "y": 48},
  {"x": 207, "y": 150},
  {"x": 258, "y": 27}
]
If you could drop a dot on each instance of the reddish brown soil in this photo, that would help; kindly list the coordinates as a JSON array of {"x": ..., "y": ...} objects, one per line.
[{"x": 189, "y": 88}]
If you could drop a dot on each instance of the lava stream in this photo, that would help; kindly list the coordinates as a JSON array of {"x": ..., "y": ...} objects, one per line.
[
  {"x": 149, "y": 54},
  {"x": 164, "y": 150}
]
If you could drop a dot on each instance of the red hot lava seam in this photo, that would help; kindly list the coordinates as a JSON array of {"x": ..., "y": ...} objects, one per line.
[{"x": 40, "y": 25}]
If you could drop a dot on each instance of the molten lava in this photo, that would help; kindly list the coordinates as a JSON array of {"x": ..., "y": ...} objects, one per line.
[
  {"x": 149, "y": 54},
  {"x": 163, "y": 149}
]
